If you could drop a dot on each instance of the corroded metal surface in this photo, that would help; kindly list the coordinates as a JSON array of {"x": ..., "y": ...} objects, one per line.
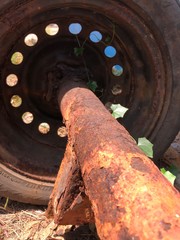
[
  {"x": 125, "y": 188},
  {"x": 68, "y": 201}
]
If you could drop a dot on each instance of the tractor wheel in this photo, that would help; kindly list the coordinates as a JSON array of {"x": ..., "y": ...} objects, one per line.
[{"x": 130, "y": 50}]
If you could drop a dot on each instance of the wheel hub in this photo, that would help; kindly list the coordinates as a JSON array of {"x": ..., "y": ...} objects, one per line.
[{"x": 38, "y": 71}]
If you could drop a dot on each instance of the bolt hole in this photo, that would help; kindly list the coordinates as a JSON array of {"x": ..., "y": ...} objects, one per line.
[
  {"x": 75, "y": 28},
  {"x": 11, "y": 80},
  {"x": 17, "y": 58},
  {"x": 27, "y": 117},
  {"x": 110, "y": 52},
  {"x": 62, "y": 132},
  {"x": 31, "y": 40},
  {"x": 95, "y": 36},
  {"x": 117, "y": 70},
  {"x": 52, "y": 29},
  {"x": 44, "y": 128},
  {"x": 16, "y": 101},
  {"x": 117, "y": 90}
]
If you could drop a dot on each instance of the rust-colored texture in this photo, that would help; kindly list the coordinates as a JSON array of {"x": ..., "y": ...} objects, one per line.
[{"x": 104, "y": 168}]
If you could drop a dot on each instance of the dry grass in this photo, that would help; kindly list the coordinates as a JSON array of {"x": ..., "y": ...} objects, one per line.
[{"x": 25, "y": 222}]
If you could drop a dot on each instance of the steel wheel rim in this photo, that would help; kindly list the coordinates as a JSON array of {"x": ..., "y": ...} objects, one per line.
[{"x": 127, "y": 57}]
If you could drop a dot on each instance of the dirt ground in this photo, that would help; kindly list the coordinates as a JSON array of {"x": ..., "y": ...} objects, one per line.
[{"x": 20, "y": 221}]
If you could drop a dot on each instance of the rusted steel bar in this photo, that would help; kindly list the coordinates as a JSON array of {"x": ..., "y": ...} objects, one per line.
[
  {"x": 68, "y": 203},
  {"x": 130, "y": 198}
]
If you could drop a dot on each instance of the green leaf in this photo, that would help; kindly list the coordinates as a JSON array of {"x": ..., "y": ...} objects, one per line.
[
  {"x": 92, "y": 85},
  {"x": 171, "y": 177},
  {"x": 163, "y": 170},
  {"x": 146, "y": 146},
  {"x": 118, "y": 110},
  {"x": 78, "y": 51},
  {"x": 108, "y": 39}
]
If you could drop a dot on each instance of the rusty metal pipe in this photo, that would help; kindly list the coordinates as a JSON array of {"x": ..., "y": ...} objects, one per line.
[{"x": 130, "y": 197}]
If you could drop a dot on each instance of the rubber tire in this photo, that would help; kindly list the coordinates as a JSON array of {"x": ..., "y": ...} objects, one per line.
[
  {"x": 164, "y": 14},
  {"x": 23, "y": 189}
]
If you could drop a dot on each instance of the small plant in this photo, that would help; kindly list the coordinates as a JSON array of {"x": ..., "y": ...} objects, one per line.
[
  {"x": 92, "y": 85},
  {"x": 171, "y": 177},
  {"x": 110, "y": 39},
  {"x": 79, "y": 52},
  {"x": 146, "y": 146},
  {"x": 170, "y": 173},
  {"x": 118, "y": 110}
]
